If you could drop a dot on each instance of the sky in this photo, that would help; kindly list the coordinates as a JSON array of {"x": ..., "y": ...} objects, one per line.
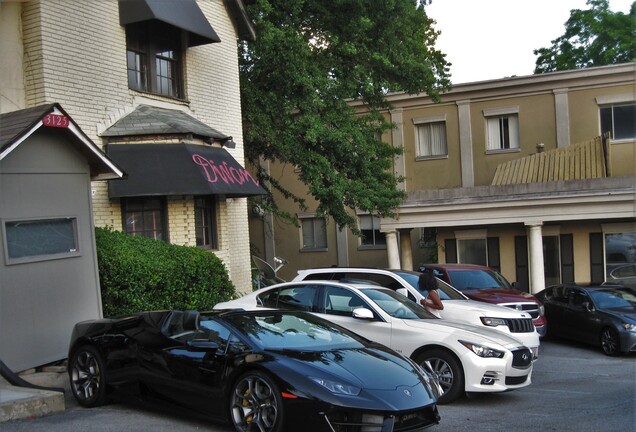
[{"x": 492, "y": 39}]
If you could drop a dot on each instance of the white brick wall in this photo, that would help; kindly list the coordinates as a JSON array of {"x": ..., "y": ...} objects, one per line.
[{"x": 75, "y": 55}]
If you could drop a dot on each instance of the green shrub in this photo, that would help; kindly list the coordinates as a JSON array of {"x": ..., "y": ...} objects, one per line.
[{"x": 138, "y": 274}]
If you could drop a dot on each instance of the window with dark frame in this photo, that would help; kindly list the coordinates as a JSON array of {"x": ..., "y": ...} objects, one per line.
[
  {"x": 205, "y": 222},
  {"x": 154, "y": 53},
  {"x": 145, "y": 217}
]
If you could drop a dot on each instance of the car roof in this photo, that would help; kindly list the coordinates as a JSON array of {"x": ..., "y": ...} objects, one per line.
[
  {"x": 457, "y": 266},
  {"x": 590, "y": 285}
]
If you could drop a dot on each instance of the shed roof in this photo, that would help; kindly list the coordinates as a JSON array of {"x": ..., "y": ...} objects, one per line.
[
  {"x": 17, "y": 126},
  {"x": 581, "y": 161}
]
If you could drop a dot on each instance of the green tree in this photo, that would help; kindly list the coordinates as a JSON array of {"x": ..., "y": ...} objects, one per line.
[
  {"x": 593, "y": 37},
  {"x": 309, "y": 58}
]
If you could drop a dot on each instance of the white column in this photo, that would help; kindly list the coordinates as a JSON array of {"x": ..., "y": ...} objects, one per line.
[
  {"x": 562, "y": 112},
  {"x": 466, "y": 144},
  {"x": 537, "y": 272},
  {"x": 392, "y": 249},
  {"x": 406, "y": 249}
]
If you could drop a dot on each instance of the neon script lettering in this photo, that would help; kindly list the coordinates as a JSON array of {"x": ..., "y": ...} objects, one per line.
[{"x": 223, "y": 172}]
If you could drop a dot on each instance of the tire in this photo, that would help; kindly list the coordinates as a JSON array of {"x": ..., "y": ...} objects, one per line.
[
  {"x": 256, "y": 404},
  {"x": 610, "y": 342},
  {"x": 87, "y": 377},
  {"x": 447, "y": 370}
]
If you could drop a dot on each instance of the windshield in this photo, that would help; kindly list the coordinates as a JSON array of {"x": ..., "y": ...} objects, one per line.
[
  {"x": 280, "y": 330},
  {"x": 446, "y": 292},
  {"x": 396, "y": 304},
  {"x": 477, "y": 279},
  {"x": 613, "y": 298}
]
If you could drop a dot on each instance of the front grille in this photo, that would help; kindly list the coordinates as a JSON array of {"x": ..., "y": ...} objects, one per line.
[
  {"x": 520, "y": 325},
  {"x": 530, "y": 308},
  {"x": 521, "y": 358},
  {"x": 358, "y": 421},
  {"x": 516, "y": 380}
]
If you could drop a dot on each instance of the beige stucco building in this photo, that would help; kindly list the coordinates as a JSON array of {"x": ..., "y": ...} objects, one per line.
[
  {"x": 573, "y": 222},
  {"x": 140, "y": 77}
]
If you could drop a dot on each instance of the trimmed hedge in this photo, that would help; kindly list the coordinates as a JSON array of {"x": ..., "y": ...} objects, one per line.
[{"x": 139, "y": 274}]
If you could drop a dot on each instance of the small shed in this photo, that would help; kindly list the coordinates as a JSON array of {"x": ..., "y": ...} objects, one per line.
[{"x": 48, "y": 264}]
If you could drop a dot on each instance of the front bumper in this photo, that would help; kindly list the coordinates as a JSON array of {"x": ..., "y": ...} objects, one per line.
[{"x": 494, "y": 375}]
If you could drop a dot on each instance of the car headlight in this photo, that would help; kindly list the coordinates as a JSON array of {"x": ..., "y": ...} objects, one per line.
[
  {"x": 482, "y": 350},
  {"x": 493, "y": 322},
  {"x": 541, "y": 310},
  {"x": 629, "y": 327},
  {"x": 336, "y": 387}
]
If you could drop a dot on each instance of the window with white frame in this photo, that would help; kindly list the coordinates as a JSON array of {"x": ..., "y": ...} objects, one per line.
[
  {"x": 370, "y": 228},
  {"x": 619, "y": 120},
  {"x": 430, "y": 136},
  {"x": 34, "y": 240},
  {"x": 314, "y": 233},
  {"x": 502, "y": 129}
]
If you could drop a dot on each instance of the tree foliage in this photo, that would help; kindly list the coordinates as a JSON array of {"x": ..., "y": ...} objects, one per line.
[
  {"x": 593, "y": 37},
  {"x": 309, "y": 58}
]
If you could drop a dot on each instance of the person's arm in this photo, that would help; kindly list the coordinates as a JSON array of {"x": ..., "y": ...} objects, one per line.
[{"x": 433, "y": 300}]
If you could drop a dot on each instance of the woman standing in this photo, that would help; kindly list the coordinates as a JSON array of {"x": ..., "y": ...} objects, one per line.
[{"x": 432, "y": 302}]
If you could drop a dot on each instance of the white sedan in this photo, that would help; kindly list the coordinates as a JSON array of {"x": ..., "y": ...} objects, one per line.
[
  {"x": 457, "y": 306},
  {"x": 463, "y": 357}
]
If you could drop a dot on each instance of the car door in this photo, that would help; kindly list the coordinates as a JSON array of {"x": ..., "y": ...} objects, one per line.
[
  {"x": 556, "y": 302},
  {"x": 301, "y": 296},
  {"x": 198, "y": 367},
  {"x": 337, "y": 303},
  {"x": 583, "y": 323}
]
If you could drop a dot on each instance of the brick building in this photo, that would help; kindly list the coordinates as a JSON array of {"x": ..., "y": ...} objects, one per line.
[{"x": 145, "y": 77}]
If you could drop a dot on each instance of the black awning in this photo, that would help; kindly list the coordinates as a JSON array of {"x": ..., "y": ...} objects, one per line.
[
  {"x": 184, "y": 14},
  {"x": 179, "y": 169}
]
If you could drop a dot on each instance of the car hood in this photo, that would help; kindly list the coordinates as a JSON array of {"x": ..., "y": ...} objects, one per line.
[
  {"x": 496, "y": 295},
  {"x": 626, "y": 314},
  {"x": 485, "y": 309},
  {"x": 387, "y": 381},
  {"x": 357, "y": 366},
  {"x": 468, "y": 332}
]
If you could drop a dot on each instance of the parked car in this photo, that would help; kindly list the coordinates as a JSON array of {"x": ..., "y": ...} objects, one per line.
[
  {"x": 624, "y": 274},
  {"x": 456, "y": 305},
  {"x": 462, "y": 357},
  {"x": 601, "y": 315},
  {"x": 263, "y": 371},
  {"x": 487, "y": 285}
]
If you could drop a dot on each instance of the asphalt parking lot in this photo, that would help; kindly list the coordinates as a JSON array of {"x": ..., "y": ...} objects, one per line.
[{"x": 575, "y": 388}]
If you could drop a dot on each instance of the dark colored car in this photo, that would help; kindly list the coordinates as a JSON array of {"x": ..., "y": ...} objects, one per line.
[
  {"x": 624, "y": 274},
  {"x": 265, "y": 371},
  {"x": 601, "y": 315},
  {"x": 488, "y": 285}
]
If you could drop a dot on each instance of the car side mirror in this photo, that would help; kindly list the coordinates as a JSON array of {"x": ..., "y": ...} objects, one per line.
[
  {"x": 362, "y": 313},
  {"x": 402, "y": 291},
  {"x": 588, "y": 306},
  {"x": 515, "y": 285},
  {"x": 201, "y": 345}
]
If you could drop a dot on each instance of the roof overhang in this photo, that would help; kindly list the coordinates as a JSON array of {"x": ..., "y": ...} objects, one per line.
[
  {"x": 183, "y": 14},
  {"x": 179, "y": 169}
]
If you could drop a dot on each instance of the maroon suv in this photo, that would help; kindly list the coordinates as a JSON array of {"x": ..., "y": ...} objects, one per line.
[{"x": 487, "y": 285}]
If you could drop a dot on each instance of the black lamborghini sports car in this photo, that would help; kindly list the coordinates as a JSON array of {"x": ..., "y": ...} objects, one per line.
[{"x": 265, "y": 371}]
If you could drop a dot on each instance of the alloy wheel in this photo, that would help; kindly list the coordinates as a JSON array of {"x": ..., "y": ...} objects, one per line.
[
  {"x": 610, "y": 342},
  {"x": 255, "y": 404},
  {"x": 86, "y": 376}
]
